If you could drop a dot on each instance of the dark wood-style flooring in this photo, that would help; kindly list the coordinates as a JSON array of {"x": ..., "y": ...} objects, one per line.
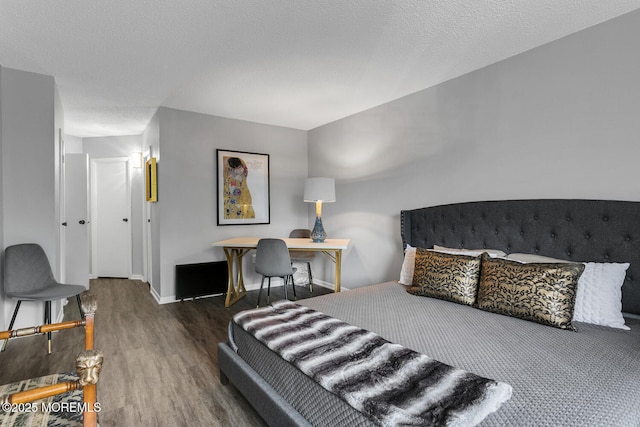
[{"x": 160, "y": 361}]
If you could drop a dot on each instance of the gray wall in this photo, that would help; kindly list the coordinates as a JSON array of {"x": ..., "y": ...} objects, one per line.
[
  {"x": 187, "y": 187},
  {"x": 28, "y": 172},
  {"x": 559, "y": 121},
  {"x": 123, "y": 146}
]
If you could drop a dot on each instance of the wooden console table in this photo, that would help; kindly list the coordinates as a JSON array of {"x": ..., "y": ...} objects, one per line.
[{"x": 236, "y": 248}]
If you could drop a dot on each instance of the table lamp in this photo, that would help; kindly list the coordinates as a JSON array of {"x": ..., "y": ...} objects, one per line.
[{"x": 319, "y": 190}]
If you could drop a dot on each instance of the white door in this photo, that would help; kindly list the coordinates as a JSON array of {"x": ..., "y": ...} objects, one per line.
[
  {"x": 76, "y": 208},
  {"x": 110, "y": 215}
]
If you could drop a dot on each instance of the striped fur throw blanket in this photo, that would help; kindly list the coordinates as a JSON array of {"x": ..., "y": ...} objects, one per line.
[{"x": 390, "y": 384}]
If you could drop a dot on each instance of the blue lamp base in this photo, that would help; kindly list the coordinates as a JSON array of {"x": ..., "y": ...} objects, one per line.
[{"x": 318, "y": 235}]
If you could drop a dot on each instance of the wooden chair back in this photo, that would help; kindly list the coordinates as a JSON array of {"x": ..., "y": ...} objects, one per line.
[{"x": 88, "y": 363}]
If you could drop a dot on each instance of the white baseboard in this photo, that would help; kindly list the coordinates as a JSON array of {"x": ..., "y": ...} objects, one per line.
[
  {"x": 171, "y": 299},
  {"x": 328, "y": 285},
  {"x": 162, "y": 300},
  {"x": 249, "y": 287},
  {"x": 278, "y": 282},
  {"x": 275, "y": 282},
  {"x": 132, "y": 277}
]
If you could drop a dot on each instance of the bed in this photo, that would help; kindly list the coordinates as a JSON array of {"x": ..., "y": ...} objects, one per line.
[{"x": 589, "y": 376}]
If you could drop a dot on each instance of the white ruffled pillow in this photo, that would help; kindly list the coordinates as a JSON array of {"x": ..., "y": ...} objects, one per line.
[
  {"x": 408, "y": 265},
  {"x": 493, "y": 253},
  {"x": 599, "y": 295}
]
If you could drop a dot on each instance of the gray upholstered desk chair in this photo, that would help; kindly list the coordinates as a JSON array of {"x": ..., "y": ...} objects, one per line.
[
  {"x": 303, "y": 256},
  {"x": 28, "y": 277},
  {"x": 272, "y": 260}
]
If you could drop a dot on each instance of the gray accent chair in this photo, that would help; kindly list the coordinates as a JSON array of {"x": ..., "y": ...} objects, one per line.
[
  {"x": 28, "y": 277},
  {"x": 273, "y": 260},
  {"x": 303, "y": 256}
]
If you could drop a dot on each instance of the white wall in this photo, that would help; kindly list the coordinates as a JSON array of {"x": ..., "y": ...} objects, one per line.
[
  {"x": 124, "y": 146},
  {"x": 28, "y": 172},
  {"x": 187, "y": 187},
  {"x": 559, "y": 121}
]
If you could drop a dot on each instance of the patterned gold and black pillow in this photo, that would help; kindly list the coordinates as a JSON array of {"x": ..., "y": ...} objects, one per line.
[
  {"x": 539, "y": 292},
  {"x": 450, "y": 277}
]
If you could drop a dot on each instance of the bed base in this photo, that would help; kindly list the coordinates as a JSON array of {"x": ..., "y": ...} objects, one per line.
[{"x": 273, "y": 409}]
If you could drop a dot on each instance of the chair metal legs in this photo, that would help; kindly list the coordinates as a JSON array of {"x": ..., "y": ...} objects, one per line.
[
  {"x": 13, "y": 320},
  {"x": 79, "y": 301},
  {"x": 268, "y": 290},
  {"x": 310, "y": 277},
  {"x": 287, "y": 280},
  {"x": 260, "y": 291},
  {"x": 293, "y": 285},
  {"x": 47, "y": 320},
  {"x": 309, "y": 274}
]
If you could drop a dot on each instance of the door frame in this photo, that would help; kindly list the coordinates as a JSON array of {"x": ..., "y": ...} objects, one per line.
[
  {"x": 147, "y": 246},
  {"x": 62, "y": 207},
  {"x": 94, "y": 221}
]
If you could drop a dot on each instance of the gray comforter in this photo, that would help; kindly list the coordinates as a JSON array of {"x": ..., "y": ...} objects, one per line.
[{"x": 559, "y": 377}]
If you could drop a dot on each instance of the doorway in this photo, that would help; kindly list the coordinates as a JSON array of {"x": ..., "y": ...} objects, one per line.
[
  {"x": 147, "y": 233},
  {"x": 110, "y": 217},
  {"x": 76, "y": 208}
]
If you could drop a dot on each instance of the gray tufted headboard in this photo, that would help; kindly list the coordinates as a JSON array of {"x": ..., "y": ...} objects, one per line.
[{"x": 576, "y": 230}]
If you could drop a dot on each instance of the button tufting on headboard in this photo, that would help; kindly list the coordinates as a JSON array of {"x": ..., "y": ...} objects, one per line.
[{"x": 578, "y": 230}]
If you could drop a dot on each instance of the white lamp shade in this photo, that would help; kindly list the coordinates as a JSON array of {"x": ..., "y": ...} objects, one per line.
[{"x": 320, "y": 190}]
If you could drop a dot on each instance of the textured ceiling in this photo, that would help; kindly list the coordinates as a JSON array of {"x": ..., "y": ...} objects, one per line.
[{"x": 294, "y": 63}]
